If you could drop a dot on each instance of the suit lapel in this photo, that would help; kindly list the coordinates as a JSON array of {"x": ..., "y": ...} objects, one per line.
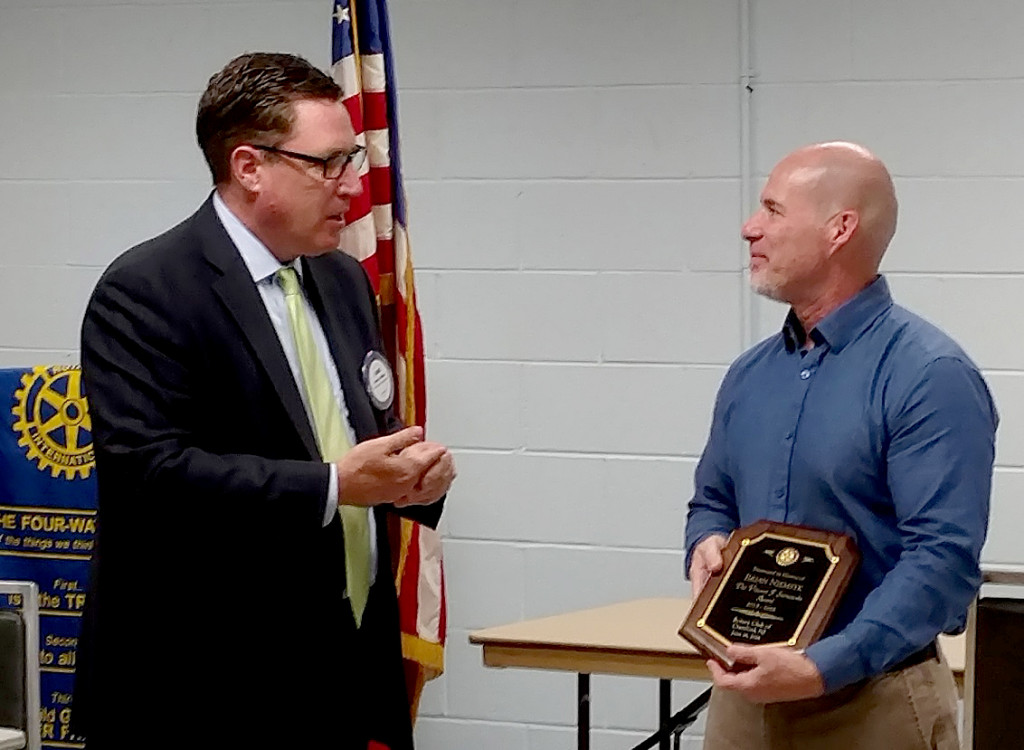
[
  {"x": 340, "y": 331},
  {"x": 243, "y": 302}
]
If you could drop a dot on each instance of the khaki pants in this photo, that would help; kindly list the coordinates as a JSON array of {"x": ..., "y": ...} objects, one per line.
[{"x": 911, "y": 709}]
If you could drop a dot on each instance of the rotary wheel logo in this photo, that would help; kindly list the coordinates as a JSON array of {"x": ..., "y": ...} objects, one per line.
[{"x": 53, "y": 419}]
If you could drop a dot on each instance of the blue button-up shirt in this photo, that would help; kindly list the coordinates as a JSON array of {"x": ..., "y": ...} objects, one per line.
[{"x": 884, "y": 430}]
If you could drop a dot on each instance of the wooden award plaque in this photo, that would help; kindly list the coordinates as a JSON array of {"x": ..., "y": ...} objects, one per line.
[{"x": 779, "y": 584}]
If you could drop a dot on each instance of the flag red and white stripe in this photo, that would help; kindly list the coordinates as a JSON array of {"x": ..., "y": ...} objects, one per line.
[{"x": 376, "y": 234}]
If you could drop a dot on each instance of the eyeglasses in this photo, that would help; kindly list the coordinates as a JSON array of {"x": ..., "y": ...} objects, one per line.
[{"x": 333, "y": 166}]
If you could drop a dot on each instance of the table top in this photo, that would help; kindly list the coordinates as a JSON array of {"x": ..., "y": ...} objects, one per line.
[
  {"x": 1003, "y": 573},
  {"x": 638, "y": 637}
]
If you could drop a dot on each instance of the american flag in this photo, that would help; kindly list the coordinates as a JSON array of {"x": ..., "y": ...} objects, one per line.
[{"x": 376, "y": 235}]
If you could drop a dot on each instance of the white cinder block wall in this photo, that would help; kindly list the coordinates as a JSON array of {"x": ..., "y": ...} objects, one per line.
[{"x": 577, "y": 174}]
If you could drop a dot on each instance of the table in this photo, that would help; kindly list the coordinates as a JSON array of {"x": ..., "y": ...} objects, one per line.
[{"x": 637, "y": 638}]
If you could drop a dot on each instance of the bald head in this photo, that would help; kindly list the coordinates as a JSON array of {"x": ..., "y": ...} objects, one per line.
[
  {"x": 826, "y": 217},
  {"x": 845, "y": 176}
]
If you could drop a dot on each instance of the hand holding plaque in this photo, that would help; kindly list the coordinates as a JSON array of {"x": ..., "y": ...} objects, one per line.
[{"x": 779, "y": 585}]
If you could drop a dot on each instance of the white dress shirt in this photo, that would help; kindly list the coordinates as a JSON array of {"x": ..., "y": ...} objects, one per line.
[{"x": 263, "y": 267}]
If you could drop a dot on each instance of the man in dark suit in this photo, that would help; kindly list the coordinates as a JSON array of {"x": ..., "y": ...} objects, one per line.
[{"x": 220, "y": 612}]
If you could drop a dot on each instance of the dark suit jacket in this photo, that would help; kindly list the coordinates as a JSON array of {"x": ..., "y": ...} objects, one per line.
[{"x": 216, "y": 594}]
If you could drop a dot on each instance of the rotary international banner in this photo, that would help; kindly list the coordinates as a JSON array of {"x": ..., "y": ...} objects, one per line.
[{"x": 48, "y": 520}]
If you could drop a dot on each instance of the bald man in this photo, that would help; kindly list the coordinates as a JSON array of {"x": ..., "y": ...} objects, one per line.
[{"x": 857, "y": 417}]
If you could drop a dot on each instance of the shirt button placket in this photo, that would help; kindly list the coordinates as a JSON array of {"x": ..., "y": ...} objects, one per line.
[{"x": 779, "y": 499}]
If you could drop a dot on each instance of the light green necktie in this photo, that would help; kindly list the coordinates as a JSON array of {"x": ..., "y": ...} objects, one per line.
[{"x": 332, "y": 437}]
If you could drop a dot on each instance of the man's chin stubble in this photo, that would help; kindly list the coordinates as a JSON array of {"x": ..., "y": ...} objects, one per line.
[{"x": 766, "y": 290}]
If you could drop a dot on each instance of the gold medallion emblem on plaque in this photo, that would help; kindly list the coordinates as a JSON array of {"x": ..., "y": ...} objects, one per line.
[{"x": 787, "y": 556}]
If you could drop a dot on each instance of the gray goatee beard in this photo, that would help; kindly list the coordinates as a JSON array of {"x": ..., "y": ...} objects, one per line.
[{"x": 766, "y": 289}]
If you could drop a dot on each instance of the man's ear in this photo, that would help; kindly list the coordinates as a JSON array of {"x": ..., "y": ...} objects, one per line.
[
  {"x": 245, "y": 162},
  {"x": 840, "y": 228}
]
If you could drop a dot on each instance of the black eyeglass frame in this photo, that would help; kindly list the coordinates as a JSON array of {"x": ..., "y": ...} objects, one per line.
[{"x": 331, "y": 163}]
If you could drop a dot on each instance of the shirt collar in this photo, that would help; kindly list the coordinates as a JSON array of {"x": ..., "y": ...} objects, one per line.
[
  {"x": 845, "y": 323},
  {"x": 257, "y": 257}
]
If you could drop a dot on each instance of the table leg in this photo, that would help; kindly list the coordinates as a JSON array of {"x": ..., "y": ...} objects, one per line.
[
  {"x": 583, "y": 711},
  {"x": 677, "y": 723},
  {"x": 664, "y": 710}
]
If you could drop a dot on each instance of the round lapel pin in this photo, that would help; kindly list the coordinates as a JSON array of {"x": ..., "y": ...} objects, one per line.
[{"x": 378, "y": 380}]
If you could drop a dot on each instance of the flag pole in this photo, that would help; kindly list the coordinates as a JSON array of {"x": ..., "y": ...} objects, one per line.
[{"x": 356, "y": 54}]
